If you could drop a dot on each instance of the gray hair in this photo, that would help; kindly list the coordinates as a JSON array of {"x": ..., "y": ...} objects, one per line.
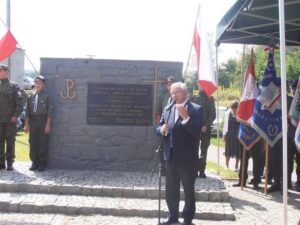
[{"x": 179, "y": 85}]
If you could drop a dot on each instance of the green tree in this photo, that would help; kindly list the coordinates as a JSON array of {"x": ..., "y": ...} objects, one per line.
[
  {"x": 228, "y": 73},
  {"x": 293, "y": 63},
  {"x": 260, "y": 61},
  {"x": 190, "y": 80}
]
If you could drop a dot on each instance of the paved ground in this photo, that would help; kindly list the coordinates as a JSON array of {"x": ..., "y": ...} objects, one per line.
[{"x": 249, "y": 206}]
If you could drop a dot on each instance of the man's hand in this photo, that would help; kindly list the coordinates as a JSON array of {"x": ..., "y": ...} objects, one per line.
[
  {"x": 164, "y": 129},
  {"x": 203, "y": 129},
  {"x": 182, "y": 111}
]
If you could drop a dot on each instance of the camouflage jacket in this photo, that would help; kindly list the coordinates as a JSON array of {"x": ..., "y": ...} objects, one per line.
[
  {"x": 11, "y": 100},
  {"x": 208, "y": 107},
  {"x": 44, "y": 105}
]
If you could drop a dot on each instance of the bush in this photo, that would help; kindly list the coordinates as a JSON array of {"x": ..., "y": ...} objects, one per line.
[{"x": 227, "y": 96}]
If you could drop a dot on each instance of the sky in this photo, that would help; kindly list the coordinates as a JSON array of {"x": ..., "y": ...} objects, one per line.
[{"x": 111, "y": 29}]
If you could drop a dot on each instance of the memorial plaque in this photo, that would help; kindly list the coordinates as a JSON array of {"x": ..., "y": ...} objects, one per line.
[{"x": 119, "y": 104}]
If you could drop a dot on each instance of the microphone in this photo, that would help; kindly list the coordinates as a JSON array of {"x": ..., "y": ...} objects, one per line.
[{"x": 169, "y": 107}]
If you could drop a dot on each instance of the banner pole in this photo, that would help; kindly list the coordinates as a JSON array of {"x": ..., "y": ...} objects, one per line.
[
  {"x": 266, "y": 167},
  {"x": 243, "y": 168}
]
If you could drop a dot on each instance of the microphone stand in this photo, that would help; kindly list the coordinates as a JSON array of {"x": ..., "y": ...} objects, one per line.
[
  {"x": 159, "y": 151},
  {"x": 158, "y": 157}
]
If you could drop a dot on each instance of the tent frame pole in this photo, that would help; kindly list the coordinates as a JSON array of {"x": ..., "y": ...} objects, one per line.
[{"x": 284, "y": 106}]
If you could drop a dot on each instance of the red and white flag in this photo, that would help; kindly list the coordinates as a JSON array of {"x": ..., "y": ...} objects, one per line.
[
  {"x": 8, "y": 44},
  {"x": 206, "y": 76},
  {"x": 246, "y": 106}
]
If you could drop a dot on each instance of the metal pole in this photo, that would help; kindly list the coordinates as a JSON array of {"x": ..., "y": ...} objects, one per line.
[
  {"x": 284, "y": 106},
  {"x": 242, "y": 178},
  {"x": 8, "y": 14},
  {"x": 189, "y": 57},
  {"x": 242, "y": 71},
  {"x": 218, "y": 121},
  {"x": 155, "y": 96},
  {"x": 8, "y": 27},
  {"x": 266, "y": 167}
]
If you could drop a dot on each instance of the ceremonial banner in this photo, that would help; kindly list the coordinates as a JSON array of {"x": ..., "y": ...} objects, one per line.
[
  {"x": 248, "y": 136},
  {"x": 245, "y": 109},
  {"x": 266, "y": 119}
]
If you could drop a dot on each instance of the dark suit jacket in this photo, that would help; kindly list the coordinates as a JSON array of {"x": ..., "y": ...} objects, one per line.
[{"x": 183, "y": 139}]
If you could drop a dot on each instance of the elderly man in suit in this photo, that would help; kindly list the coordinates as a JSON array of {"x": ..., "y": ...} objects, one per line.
[{"x": 180, "y": 127}]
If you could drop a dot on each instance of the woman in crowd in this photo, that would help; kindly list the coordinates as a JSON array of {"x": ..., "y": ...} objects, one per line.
[{"x": 230, "y": 134}]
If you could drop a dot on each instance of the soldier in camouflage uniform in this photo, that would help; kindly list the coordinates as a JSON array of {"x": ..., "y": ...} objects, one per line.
[
  {"x": 38, "y": 123},
  {"x": 209, "y": 115},
  {"x": 11, "y": 107}
]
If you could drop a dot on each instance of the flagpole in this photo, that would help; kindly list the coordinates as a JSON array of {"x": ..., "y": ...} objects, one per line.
[
  {"x": 243, "y": 168},
  {"x": 188, "y": 61},
  {"x": 189, "y": 57},
  {"x": 30, "y": 62},
  {"x": 8, "y": 27},
  {"x": 8, "y": 14},
  {"x": 218, "y": 135},
  {"x": 242, "y": 68},
  {"x": 284, "y": 105},
  {"x": 266, "y": 167},
  {"x": 26, "y": 56},
  {"x": 155, "y": 95}
]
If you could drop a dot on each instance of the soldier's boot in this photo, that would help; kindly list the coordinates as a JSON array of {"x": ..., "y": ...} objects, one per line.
[{"x": 9, "y": 166}]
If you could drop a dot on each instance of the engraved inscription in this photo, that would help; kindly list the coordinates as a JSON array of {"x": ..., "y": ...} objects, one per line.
[{"x": 119, "y": 104}]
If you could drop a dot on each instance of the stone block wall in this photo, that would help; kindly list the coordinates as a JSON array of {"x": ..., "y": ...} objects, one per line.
[{"x": 76, "y": 145}]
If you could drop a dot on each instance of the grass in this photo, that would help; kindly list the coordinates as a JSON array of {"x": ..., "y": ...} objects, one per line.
[
  {"x": 214, "y": 141},
  {"x": 22, "y": 147},
  {"x": 224, "y": 173}
]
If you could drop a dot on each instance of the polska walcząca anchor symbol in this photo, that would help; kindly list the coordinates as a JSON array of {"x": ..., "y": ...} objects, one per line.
[{"x": 69, "y": 86}]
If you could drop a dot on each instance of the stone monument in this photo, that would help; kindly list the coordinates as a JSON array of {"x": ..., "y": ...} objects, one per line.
[{"x": 104, "y": 112}]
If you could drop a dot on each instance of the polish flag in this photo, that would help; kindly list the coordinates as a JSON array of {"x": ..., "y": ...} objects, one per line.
[
  {"x": 206, "y": 76},
  {"x": 8, "y": 44},
  {"x": 246, "y": 106}
]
